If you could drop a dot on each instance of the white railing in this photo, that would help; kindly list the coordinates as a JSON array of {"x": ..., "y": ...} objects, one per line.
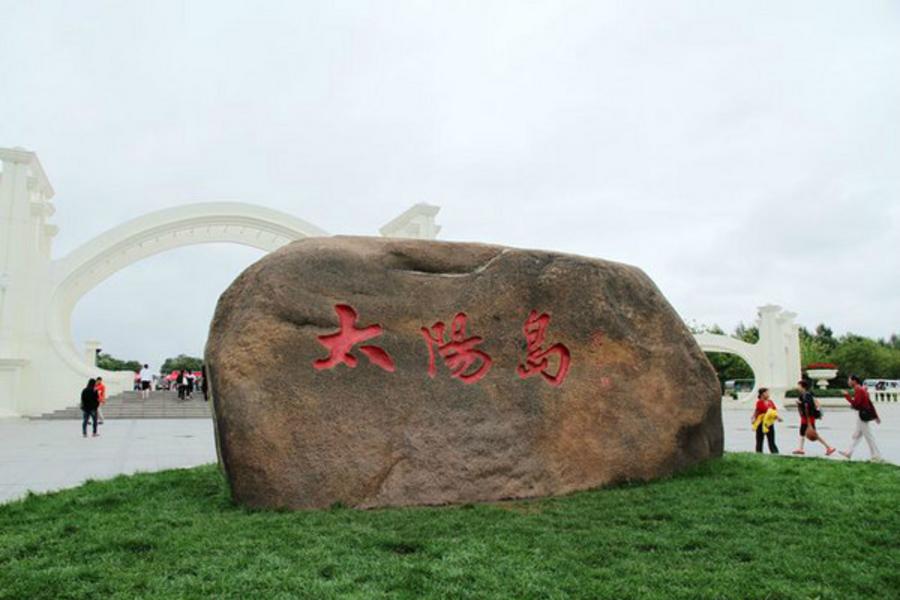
[{"x": 892, "y": 395}]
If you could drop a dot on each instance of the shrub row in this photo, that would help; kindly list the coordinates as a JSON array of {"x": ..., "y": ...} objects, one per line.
[{"x": 826, "y": 393}]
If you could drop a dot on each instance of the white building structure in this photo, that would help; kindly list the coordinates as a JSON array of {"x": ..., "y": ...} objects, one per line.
[
  {"x": 774, "y": 359},
  {"x": 41, "y": 367}
]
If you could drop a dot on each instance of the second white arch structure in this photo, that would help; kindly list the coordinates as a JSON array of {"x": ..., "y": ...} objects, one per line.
[{"x": 774, "y": 359}]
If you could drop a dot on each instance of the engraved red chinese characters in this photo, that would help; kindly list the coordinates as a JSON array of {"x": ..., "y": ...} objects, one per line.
[
  {"x": 459, "y": 352},
  {"x": 537, "y": 360},
  {"x": 341, "y": 343}
]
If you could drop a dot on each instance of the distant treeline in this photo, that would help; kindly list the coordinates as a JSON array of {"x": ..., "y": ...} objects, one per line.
[{"x": 177, "y": 363}]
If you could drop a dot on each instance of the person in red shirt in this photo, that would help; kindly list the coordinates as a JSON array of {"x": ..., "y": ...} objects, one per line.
[
  {"x": 763, "y": 405},
  {"x": 101, "y": 397},
  {"x": 861, "y": 403}
]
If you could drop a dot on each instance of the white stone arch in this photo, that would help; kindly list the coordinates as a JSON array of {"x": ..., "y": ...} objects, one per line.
[
  {"x": 155, "y": 232},
  {"x": 93, "y": 262},
  {"x": 40, "y": 367},
  {"x": 86, "y": 267},
  {"x": 750, "y": 353}
]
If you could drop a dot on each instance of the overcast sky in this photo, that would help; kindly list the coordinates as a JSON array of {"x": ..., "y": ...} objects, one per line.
[{"x": 741, "y": 153}]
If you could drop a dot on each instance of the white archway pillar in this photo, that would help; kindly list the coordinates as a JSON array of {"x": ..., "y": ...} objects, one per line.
[{"x": 25, "y": 241}]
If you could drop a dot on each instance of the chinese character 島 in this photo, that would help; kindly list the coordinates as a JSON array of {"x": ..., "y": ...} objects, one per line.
[
  {"x": 536, "y": 362},
  {"x": 458, "y": 352},
  {"x": 341, "y": 343}
]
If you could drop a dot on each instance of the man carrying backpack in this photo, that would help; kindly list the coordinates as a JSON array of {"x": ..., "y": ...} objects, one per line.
[{"x": 861, "y": 403}]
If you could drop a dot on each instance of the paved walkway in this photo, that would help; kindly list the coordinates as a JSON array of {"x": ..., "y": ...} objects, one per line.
[
  {"x": 43, "y": 455},
  {"x": 836, "y": 427}
]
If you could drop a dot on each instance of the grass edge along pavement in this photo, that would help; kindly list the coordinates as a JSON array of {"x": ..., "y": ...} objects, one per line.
[{"x": 744, "y": 526}]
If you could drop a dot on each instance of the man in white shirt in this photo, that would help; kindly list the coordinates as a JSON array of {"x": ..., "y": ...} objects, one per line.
[{"x": 146, "y": 382}]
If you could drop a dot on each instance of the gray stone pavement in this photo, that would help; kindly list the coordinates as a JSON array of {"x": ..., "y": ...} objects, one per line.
[
  {"x": 836, "y": 428},
  {"x": 46, "y": 455}
]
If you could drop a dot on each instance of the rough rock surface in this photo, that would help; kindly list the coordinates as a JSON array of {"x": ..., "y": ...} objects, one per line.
[{"x": 636, "y": 400}]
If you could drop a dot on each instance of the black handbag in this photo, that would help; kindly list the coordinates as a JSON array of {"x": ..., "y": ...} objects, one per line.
[{"x": 866, "y": 415}]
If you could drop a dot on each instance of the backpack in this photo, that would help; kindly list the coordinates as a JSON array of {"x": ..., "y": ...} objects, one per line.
[
  {"x": 810, "y": 406},
  {"x": 817, "y": 412}
]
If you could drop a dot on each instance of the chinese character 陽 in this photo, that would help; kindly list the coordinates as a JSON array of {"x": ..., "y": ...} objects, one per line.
[
  {"x": 340, "y": 344},
  {"x": 458, "y": 352},
  {"x": 536, "y": 362}
]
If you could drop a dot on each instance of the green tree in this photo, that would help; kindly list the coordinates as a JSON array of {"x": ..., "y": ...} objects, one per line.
[
  {"x": 893, "y": 364},
  {"x": 825, "y": 336},
  {"x": 747, "y": 334},
  {"x": 812, "y": 350},
  {"x": 704, "y": 328},
  {"x": 862, "y": 356},
  {"x": 110, "y": 363},
  {"x": 729, "y": 366},
  {"x": 181, "y": 362}
]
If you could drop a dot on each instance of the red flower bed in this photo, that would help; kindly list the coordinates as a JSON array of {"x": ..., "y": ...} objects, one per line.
[{"x": 822, "y": 366}]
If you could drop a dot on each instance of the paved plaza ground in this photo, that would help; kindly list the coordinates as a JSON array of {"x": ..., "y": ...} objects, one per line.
[
  {"x": 46, "y": 455},
  {"x": 836, "y": 427},
  {"x": 43, "y": 455}
]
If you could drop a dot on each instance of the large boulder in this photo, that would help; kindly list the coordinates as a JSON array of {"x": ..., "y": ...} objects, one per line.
[{"x": 381, "y": 372}]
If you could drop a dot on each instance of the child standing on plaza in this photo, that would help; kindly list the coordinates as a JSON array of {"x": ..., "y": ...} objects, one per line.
[
  {"x": 809, "y": 412},
  {"x": 763, "y": 421}
]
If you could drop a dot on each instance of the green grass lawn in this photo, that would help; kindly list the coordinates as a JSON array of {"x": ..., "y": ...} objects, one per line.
[{"x": 742, "y": 527}]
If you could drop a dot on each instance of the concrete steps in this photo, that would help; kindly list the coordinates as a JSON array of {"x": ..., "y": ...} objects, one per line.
[{"x": 129, "y": 405}]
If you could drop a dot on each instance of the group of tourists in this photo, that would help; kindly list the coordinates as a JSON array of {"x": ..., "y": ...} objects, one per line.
[
  {"x": 93, "y": 396},
  {"x": 766, "y": 415},
  {"x": 185, "y": 383}
]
